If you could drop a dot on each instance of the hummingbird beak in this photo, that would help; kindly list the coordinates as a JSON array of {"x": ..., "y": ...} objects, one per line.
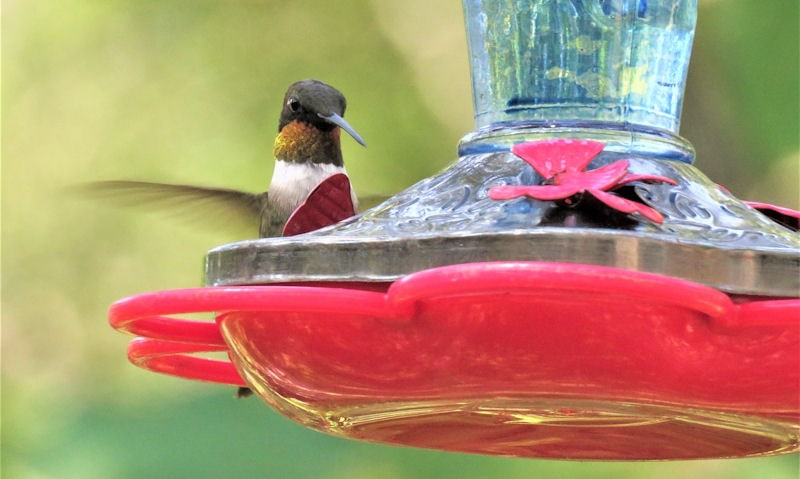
[{"x": 339, "y": 121}]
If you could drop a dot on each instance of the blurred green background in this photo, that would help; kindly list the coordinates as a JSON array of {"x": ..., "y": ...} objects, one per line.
[{"x": 190, "y": 92}]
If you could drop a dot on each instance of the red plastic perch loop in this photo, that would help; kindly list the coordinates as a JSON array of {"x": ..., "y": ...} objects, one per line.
[{"x": 169, "y": 345}]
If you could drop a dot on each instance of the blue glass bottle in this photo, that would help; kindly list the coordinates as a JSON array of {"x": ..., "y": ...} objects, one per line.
[{"x": 608, "y": 70}]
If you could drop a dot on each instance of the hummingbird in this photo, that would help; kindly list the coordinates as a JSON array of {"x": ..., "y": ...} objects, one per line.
[{"x": 307, "y": 150}]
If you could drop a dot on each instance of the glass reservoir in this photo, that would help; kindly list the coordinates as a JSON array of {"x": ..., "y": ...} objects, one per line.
[{"x": 611, "y": 69}]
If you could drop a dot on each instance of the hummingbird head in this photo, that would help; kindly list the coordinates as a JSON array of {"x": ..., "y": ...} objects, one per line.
[{"x": 318, "y": 105}]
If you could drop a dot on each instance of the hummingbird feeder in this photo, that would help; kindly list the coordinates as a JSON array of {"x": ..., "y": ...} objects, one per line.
[{"x": 572, "y": 287}]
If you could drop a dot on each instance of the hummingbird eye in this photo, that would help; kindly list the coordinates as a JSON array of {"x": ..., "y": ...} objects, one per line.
[{"x": 293, "y": 104}]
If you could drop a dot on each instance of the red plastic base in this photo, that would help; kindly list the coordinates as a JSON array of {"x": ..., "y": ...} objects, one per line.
[{"x": 516, "y": 358}]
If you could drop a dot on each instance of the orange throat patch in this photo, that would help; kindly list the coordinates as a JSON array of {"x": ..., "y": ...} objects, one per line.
[{"x": 300, "y": 142}]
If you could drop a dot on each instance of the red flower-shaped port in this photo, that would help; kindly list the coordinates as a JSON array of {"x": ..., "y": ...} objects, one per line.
[
  {"x": 562, "y": 163},
  {"x": 783, "y": 216}
]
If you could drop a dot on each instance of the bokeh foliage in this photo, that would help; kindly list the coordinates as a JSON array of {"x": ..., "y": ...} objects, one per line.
[{"x": 190, "y": 92}]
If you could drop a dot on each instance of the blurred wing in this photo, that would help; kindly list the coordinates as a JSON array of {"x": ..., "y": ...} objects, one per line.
[{"x": 211, "y": 207}]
